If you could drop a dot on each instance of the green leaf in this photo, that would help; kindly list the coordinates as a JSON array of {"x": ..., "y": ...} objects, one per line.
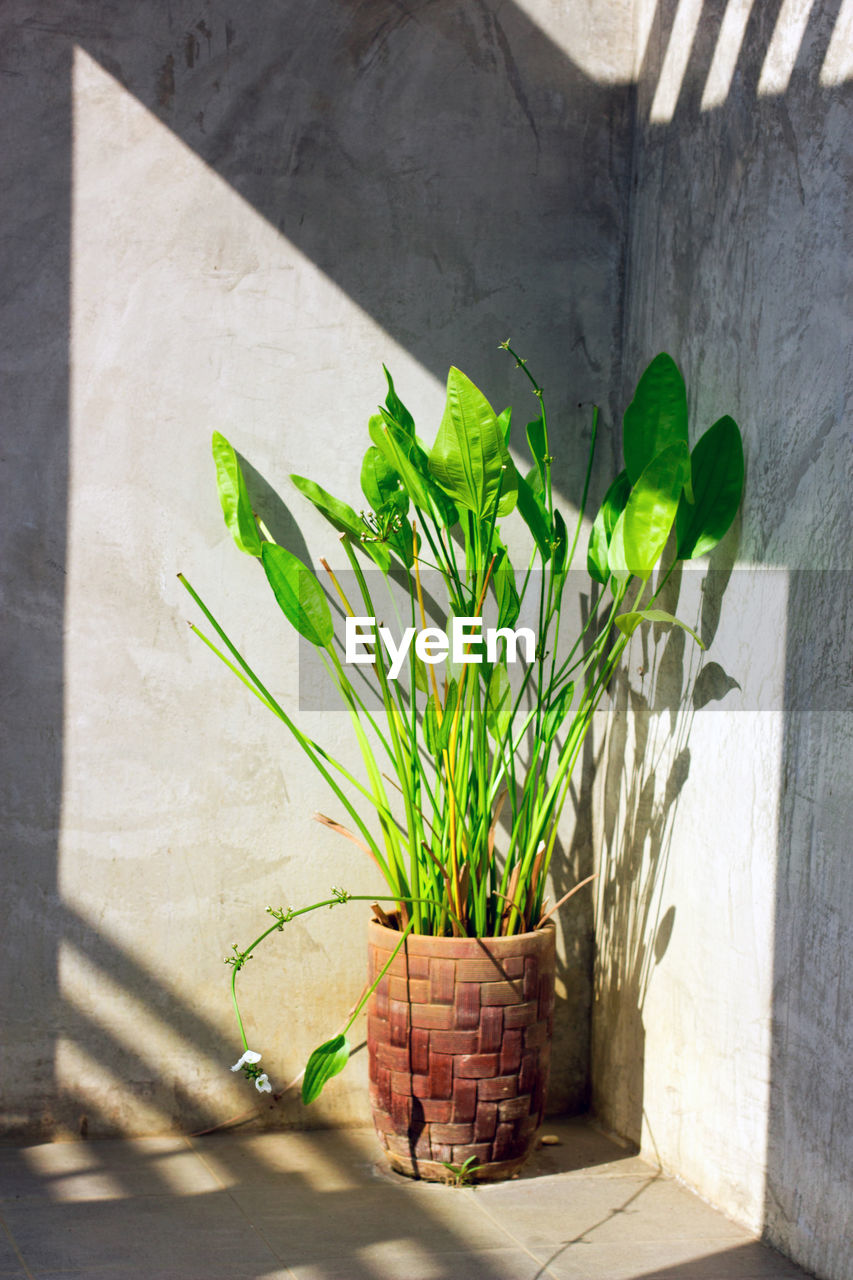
[
  {"x": 561, "y": 542},
  {"x": 505, "y": 422},
  {"x": 616, "y": 560},
  {"x": 327, "y": 1060},
  {"x": 421, "y": 675},
  {"x": 557, "y": 711},
  {"x": 532, "y": 511},
  {"x": 536, "y": 444},
  {"x": 341, "y": 516},
  {"x": 469, "y": 458},
  {"x": 443, "y": 735},
  {"x": 381, "y": 484},
  {"x": 628, "y": 622},
  {"x": 717, "y": 470},
  {"x": 299, "y": 594},
  {"x": 234, "y": 497},
  {"x": 656, "y": 417},
  {"x": 410, "y": 461},
  {"x": 609, "y": 512},
  {"x": 437, "y": 736},
  {"x": 506, "y": 592},
  {"x": 498, "y": 702},
  {"x": 650, "y": 510},
  {"x": 397, "y": 409}
]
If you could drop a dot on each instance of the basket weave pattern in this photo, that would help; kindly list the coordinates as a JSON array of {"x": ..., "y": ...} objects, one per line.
[{"x": 459, "y": 1041}]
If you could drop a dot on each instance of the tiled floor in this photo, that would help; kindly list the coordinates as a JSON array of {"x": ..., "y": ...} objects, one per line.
[{"x": 315, "y": 1206}]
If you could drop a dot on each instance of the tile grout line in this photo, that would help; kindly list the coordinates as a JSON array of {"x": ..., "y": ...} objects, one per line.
[
  {"x": 544, "y": 1269},
  {"x": 13, "y": 1242},
  {"x": 256, "y": 1230}
]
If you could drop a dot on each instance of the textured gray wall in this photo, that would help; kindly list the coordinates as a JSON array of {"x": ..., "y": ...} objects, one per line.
[
  {"x": 228, "y": 216},
  {"x": 727, "y": 1052}
]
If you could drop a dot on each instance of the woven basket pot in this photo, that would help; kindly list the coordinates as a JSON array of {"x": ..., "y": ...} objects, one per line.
[{"x": 459, "y": 1040}]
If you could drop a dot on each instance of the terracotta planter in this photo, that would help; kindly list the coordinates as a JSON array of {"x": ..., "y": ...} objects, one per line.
[{"x": 459, "y": 1038}]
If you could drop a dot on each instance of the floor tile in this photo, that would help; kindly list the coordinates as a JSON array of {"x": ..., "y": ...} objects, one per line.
[
  {"x": 666, "y": 1260},
  {"x": 203, "y": 1233},
  {"x": 106, "y": 1170},
  {"x": 394, "y": 1264},
  {"x": 554, "y": 1210}
]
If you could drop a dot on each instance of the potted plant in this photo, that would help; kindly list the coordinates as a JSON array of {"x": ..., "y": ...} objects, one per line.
[{"x": 468, "y": 760}]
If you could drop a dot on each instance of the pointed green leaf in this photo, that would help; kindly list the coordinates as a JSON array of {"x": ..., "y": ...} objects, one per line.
[
  {"x": 421, "y": 675},
  {"x": 561, "y": 542},
  {"x": 442, "y": 740},
  {"x": 616, "y": 560},
  {"x": 506, "y": 592},
  {"x": 397, "y": 409},
  {"x": 410, "y": 461},
  {"x": 381, "y": 484},
  {"x": 628, "y": 622},
  {"x": 299, "y": 594},
  {"x": 234, "y": 497},
  {"x": 505, "y": 422},
  {"x": 717, "y": 470},
  {"x": 656, "y": 417},
  {"x": 609, "y": 512},
  {"x": 532, "y": 511},
  {"x": 557, "y": 711},
  {"x": 650, "y": 510},
  {"x": 327, "y": 1060},
  {"x": 536, "y": 444},
  {"x": 498, "y": 702},
  {"x": 429, "y": 725},
  {"x": 469, "y": 458},
  {"x": 341, "y": 516}
]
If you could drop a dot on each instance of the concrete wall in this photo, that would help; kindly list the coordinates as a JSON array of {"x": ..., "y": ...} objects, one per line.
[
  {"x": 228, "y": 216},
  {"x": 723, "y": 1028}
]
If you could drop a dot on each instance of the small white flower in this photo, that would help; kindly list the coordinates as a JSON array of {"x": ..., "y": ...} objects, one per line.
[
  {"x": 262, "y": 1083},
  {"x": 248, "y": 1056}
]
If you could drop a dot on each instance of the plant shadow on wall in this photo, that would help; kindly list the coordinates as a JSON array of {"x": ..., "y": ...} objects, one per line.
[
  {"x": 463, "y": 743},
  {"x": 646, "y": 760}
]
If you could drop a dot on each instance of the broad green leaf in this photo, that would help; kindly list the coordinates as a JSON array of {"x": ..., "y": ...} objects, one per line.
[
  {"x": 650, "y": 510},
  {"x": 429, "y": 725},
  {"x": 299, "y": 594},
  {"x": 717, "y": 470},
  {"x": 421, "y": 675},
  {"x": 506, "y": 592},
  {"x": 561, "y": 542},
  {"x": 498, "y": 702},
  {"x": 381, "y": 484},
  {"x": 616, "y": 561},
  {"x": 536, "y": 444},
  {"x": 397, "y": 409},
  {"x": 443, "y": 736},
  {"x": 437, "y": 736},
  {"x": 557, "y": 711},
  {"x": 341, "y": 516},
  {"x": 327, "y": 1060},
  {"x": 656, "y": 417},
  {"x": 505, "y": 422},
  {"x": 384, "y": 490},
  {"x": 609, "y": 512},
  {"x": 532, "y": 511},
  {"x": 234, "y": 497},
  {"x": 410, "y": 461},
  {"x": 628, "y": 622},
  {"x": 469, "y": 458}
]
